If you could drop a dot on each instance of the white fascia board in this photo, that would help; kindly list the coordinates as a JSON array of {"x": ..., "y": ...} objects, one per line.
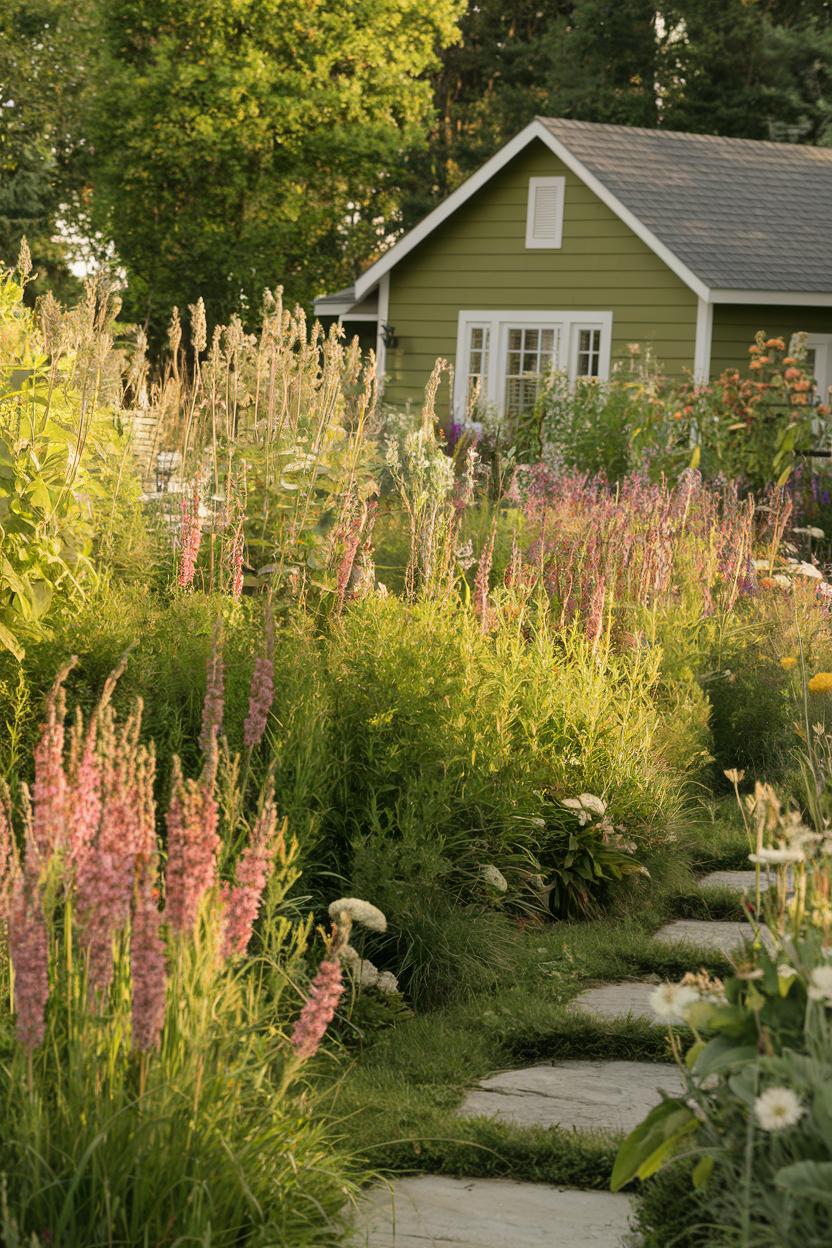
[
  {"x": 535, "y": 130},
  {"x": 806, "y": 298}
]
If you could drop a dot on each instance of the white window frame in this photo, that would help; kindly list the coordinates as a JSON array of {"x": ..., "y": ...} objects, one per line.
[
  {"x": 569, "y": 323},
  {"x": 558, "y": 184},
  {"x": 821, "y": 344}
]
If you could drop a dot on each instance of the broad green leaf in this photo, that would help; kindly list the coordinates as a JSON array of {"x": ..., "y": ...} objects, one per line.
[
  {"x": 811, "y": 1180},
  {"x": 702, "y": 1172}
]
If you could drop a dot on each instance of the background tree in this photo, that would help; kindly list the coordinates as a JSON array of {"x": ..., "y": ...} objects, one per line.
[
  {"x": 239, "y": 144},
  {"x": 749, "y": 68},
  {"x": 41, "y": 180}
]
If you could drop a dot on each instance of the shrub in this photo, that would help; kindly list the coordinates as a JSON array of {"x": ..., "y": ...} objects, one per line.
[{"x": 457, "y": 747}]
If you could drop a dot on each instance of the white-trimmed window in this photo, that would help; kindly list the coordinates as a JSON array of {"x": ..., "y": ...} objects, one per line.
[
  {"x": 478, "y": 352},
  {"x": 504, "y": 357},
  {"x": 544, "y": 212},
  {"x": 819, "y": 364}
]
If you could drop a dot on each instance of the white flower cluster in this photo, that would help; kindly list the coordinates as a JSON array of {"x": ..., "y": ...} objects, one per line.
[
  {"x": 493, "y": 877},
  {"x": 359, "y": 912},
  {"x": 586, "y": 807},
  {"x": 367, "y": 974}
]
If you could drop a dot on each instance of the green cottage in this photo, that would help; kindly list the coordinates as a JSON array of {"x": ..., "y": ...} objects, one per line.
[{"x": 577, "y": 239}]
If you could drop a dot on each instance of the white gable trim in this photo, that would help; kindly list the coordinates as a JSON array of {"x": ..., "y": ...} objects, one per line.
[
  {"x": 535, "y": 130},
  {"x": 805, "y": 298}
]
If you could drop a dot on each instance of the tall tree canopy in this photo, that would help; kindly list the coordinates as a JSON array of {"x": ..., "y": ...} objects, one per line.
[
  {"x": 40, "y": 171},
  {"x": 239, "y": 144}
]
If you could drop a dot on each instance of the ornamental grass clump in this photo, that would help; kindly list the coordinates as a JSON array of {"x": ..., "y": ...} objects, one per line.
[{"x": 146, "y": 1088}]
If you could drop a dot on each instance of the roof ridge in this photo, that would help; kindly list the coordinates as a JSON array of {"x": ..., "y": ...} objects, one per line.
[{"x": 659, "y": 132}]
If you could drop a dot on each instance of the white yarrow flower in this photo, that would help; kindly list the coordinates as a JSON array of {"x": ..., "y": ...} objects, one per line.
[
  {"x": 809, "y": 569},
  {"x": 593, "y": 804},
  {"x": 360, "y": 912},
  {"x": 777, "y": 1108},
  {"x": 387, "y": 983},
  {"x": 820, "y": 984},
  {"x": 669, "y": 1001},
  {"x": 369, "y": 975},
  {"x": 777, "y": 857},
  {"x": 493, "y": 877}
]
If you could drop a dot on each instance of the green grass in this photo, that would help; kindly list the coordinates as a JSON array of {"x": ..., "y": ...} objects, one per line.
[{"x": 399, "y": 1097}]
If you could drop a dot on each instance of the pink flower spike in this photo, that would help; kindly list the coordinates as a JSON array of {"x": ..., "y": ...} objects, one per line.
[
  {"x": 261, "y": 692},
  {"x": 8, "y": 856},
  {"x": 49, "y": 789},
  {"x": 213, "y": 705},
  {"x": 193, "y": 842},
  {"x": 325, "y": 993},
  {"x": 147, "y": 961},
  {"x": 190, "y": 534},
  {"x": 28, "y": 947},
  {"x": 242, "y": 900}
]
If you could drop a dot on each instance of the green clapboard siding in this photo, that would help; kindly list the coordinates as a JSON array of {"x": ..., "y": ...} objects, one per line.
[
  {"x": 735, "y": 326},
  {"x": 478, "y": 259}
]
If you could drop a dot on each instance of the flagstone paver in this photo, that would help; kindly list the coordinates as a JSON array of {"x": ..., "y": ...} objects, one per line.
[
  {"x": 740, "y": 881},
  {"x": 629, "y": 999},
  {"x": 436, "y": 1211},
  {"x": 584, "y": 1096},
  {"x": 727, "y": 938}
]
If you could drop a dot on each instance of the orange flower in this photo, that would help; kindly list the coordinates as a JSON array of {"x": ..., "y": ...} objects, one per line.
[
  {"x": 677, "y": 415},
  {"x": 754, "y": 350},
  {"x": 777, "y": 343},
  {"x": 788, "y": 662},
  {"x": 792, "y": 374},
  {"x": 767, "y": 582},
  {"x": 789, "y": 359},
  {"x": 755, "y": 364},
  {"x": 821, "y": 682},
  {"x": 764, "y": 359}
]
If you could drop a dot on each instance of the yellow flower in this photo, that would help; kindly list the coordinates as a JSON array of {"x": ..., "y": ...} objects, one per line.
[
  {"x": 821, "y": 682},
  {"x": 788, "y": 662}
]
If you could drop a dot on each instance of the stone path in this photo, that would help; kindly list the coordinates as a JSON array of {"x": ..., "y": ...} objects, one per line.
[
  {"x": 739, "y": 881},
  {"x": 726, "y": 938},
  {"x": 434, "y": 1211},
  {"x": 576, "y": 1096},
  {"x": 630, "y": 999}
]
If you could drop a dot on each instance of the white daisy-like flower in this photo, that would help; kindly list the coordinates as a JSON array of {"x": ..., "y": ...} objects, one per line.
[
  {"x": 360, "y": 912},
  {"x": 820, "y": 984},
  {"x": 809, "y": 569},
  {"x": 777, "y": 857},
  {"x": 493, "y": 877},
  {"x": 593, "y": 804},
  {"x": 778, "y": 1108},
  {"x": 387, "y": 983},
  {"x": 783, "y": 582},
  {"x": 669, "y": 1001}
]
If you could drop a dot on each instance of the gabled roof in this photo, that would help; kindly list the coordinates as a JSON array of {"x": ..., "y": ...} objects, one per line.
[{"x": 729, "y": 216}]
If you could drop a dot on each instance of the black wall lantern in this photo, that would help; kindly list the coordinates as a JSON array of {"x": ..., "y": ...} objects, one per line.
[{"x": 388, "y": 336}]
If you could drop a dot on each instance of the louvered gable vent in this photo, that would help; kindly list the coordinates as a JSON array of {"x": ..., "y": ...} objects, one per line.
[{"x": 544, "y": 218}]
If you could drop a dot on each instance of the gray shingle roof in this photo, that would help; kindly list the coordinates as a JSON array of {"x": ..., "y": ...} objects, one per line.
[{"x": 740, "y": 213}]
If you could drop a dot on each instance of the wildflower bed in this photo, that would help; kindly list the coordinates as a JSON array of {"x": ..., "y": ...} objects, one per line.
[{"x": 476, "y": 701}]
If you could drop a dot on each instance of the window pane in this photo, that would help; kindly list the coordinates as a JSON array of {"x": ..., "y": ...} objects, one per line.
[
  {"x": 515, "y": 339},
  {"x": 547, "y": 341},
  {"x": 476, "y": 338},
  {"x": 530, "y": 362},
  {"x": 531, "y": 339}
]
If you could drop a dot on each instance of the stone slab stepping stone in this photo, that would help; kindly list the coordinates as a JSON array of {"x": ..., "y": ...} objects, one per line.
[
  {"x": 583, "y": 1096},
  {"x": 436, "y": 1211},
  {"x": 619, "y": 1001},
  {"x": 726, "y": 938},
  {"x": 738, "y": 881}
]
